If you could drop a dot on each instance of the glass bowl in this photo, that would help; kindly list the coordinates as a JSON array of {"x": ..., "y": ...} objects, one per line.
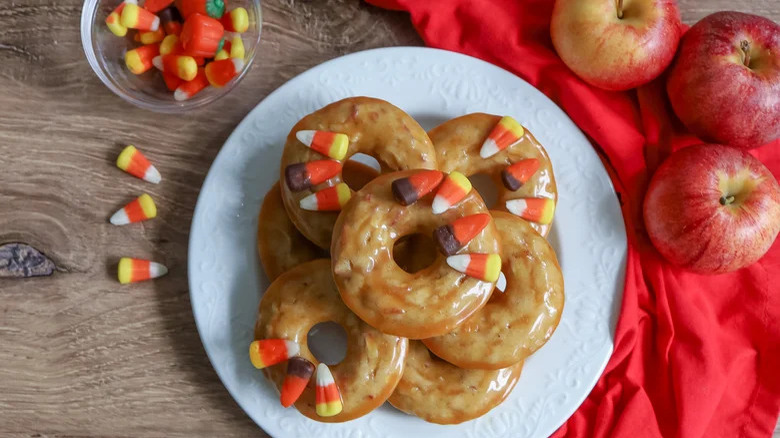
[{"x": 105, "y": 53}]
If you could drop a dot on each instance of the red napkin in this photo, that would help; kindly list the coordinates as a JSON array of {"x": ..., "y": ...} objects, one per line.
[{"x": 694, "y": 355}]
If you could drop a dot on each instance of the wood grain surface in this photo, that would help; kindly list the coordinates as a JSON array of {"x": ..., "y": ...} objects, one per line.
[{"x": 81, "y": 355}]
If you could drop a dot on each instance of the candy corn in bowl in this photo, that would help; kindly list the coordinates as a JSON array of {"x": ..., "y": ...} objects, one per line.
[{"x": 170, "y": 55}]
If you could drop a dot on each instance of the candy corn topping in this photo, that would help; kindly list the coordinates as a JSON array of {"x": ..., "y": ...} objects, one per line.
[
  {"x": 151, "y": 37},
  {"x": 485, "y": 267},
  {"x": 329, "y": 199},
  {"x": 237, "y": 47},
  {"x": 172, "y": 82},
  {"x": 506, "y": 133},
  {"x": 454, "y": 188},
  {"x": 301, "y": 176},
  {"x": 299, "y": 371},
  {"x": 132, "y": 161},
  {"x": 538, "y": 210},
  {"x": 168, "y": 44},
  {"x": 114, "y": 21},
  {"x": 236, "y": 20},
  {"x": 140, "y": 59},
  {"x": 452, "y": 237},
  {"x": 409, "y": 189},
  {"x": 327, "y": 395},
  {"x": 191, "y": 88},
  {"x": 501, "y": 283},
  {"x": 134, "y": 17},
  {"x": 517, "y": 174},
  {"x": 140, "y": 209},
  {"x": 331, "y": 144},
  {"x": 219, "y": 73},
  {"x": 135, "y": 270},
  {"x": 267, "y": 352},
  {"x": 182, "y": 66}
]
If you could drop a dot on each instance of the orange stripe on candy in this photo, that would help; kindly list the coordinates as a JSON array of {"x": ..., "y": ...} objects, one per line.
[
  {"x": 134, "y": 211},
  {"x": 140, "y": 270},
  {"x": 138, "y": 165}
]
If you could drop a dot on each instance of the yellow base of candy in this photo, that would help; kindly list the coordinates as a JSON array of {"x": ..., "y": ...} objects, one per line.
[
  {"x": 254, "y": 356},
  {"x": 329, "y": 409}
]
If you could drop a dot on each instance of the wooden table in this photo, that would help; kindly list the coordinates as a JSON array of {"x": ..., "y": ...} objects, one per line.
[{"x": 80, "y": 354}]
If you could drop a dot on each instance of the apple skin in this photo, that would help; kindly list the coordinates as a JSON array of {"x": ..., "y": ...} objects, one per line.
[
  {"x": 689, "y": 225},
  {"x": 616, "y": 53},
  {"x": 715, "y": 95}
]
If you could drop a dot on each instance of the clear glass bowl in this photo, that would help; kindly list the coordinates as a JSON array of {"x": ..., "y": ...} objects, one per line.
[{"x": 105, "y": 53}]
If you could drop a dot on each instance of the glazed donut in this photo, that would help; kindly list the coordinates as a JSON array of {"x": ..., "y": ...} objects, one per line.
[
  {"x": 305, "y": 296},
  {"x": 338, "y": 131},
  {"x": 427, "y": 303},
  {"x": 523, "y": 189},
  {"x": 439, "y": 392},
  {"x": 280, "y": 245},
  {"x": 517, "y": 322}
]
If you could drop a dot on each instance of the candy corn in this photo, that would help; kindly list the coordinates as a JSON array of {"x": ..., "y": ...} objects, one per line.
[
  {"x": 182, "y": 66},
  {"x": 139, "y": 60},
  {"x": 506, "y": 133},
  {"x": 201, "y": 36},
  {"x": 299, "y": 371},
  {"x": 331, "y": 144},
  {"x": 327, "y": 395},
  {"x": 519, "y": 173},
  {"x": 452, "y": 237},
  {"x": 485, "y": 267},
  {"x": 411, "y": 188},
  {"x": 135, "y": 270},
  {"x": 193, "y": 87},
  {"x": 301, "y": 176},
  {"x": 151, "y": 37},
  {"x": 169, "y": 44},
  {"x": 171, "y": 21},
  {"x": 538, "y": 210},
  {"x": 222, "y": 54},
  {"x": 132, "y": 161},
  {"x": 114, "y": 20},
  {"x": 172, "y": 82},
  {"x": 329, "y": 199},
  {"x": 236, "y": 47},
  {"x": 155, "y": 6},
  {"x": 236, "y": 20},
  {"x": 267, "y": 352},
  {"x": 501, "y": 282},
  {"x": 454, "y": 188},
  {"x": 212, "y": 8},
  {"x": 134, "y": 17},
  {"x": 219, "y": 73},
  {"x": 140, "y": 209}
]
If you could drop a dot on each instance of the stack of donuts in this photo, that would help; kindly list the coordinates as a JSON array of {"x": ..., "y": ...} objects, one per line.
[{"x": 439, "y": 333}]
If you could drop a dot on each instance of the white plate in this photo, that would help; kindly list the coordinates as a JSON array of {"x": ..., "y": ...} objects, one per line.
[{"x": 226, "y": 280}]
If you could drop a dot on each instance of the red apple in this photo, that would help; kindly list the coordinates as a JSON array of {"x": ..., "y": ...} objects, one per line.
[
  {"x": 616, "y": 44},
  {"x": 712, "y": 209},
  {"x": 725, "y": 82}
]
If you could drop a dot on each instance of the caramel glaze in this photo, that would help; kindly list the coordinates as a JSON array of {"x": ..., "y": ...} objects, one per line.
[
  {"x": 427, "y": 303},
  {"x": 374, "y": 127},
  {"x": 516, "y": 323},
  {"x": 440, "y": 392},
  {"x": 280, "y": 245},
  {"x": 458, "y": 142},
  {"x": 305, "y": 296}
]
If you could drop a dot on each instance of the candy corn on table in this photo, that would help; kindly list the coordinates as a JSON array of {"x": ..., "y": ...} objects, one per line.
[{"x": 81, "y": 353}]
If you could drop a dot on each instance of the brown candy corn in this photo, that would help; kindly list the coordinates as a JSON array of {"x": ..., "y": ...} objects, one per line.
[
  {"x": 517, "y": 174},
  {"x": 301, "y": 176},
  {"x": 452, "y": 237},
  {"x": 299, "y": 371},
  {"x": 408, "y": 190}
]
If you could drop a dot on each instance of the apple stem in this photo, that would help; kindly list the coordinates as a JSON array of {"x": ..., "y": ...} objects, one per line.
[
  {"x": 726, "y": 200},
  {"x": 745, "y": 47},
  {"x": 620, "y": 9}
]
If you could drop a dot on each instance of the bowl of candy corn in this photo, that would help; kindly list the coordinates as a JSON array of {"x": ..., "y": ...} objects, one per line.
[{"x": 170, "y": 56}]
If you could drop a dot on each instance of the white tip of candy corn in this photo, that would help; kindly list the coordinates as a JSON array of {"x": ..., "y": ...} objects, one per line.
[
  {"x": 305, "y": 136},
  {"x": 292, "y": 348},
  {"x": 238, "y": 63},
  {"x": 155, "y": 24},
  {"x": 180, "y": 95},
  {"x": 157, "y": 62},
  {"x": 440, "y": 205},
  {"x": 516, "y": 206},
  {"x": 157, "y": 270},
  {"x": 459, "y": 262},
  {"x": 120, "y": 218},
  {"x": 501, "y": 283},
  {"x": 489, "y": 148},
  {"x": 152, "y": 175},
  {"x": 324, "y": 376},
  {"x": 309, "y": 203}
]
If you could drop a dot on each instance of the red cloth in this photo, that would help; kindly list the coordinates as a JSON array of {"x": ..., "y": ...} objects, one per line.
[{"x": 695, "y": 356}]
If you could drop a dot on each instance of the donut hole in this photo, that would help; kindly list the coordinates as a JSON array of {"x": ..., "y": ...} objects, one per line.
[
  {"x": 414, "y": 252},
  {"x": 327, "y": 341},
  {"x": 359, "y": 170},
  {"x": 486, "y": 187}
]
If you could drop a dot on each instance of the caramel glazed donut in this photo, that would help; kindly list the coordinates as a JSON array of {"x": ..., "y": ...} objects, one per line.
[
  {"x": 507, "y": 152},
  {"x": 432, "y": 301},
  {"x": 312, "y": 192},
  {"x": 305, "y": 296}
]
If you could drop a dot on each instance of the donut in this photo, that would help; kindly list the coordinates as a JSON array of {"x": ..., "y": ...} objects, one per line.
[
  {"x": 527, "y": 188},
  {"x": 305, "y": 296},
  {"x": 430, "y": 302},
  {"x": 517, "y": 322},
  {"x": 336, "y": 132},
  {"x": 280, "y": 245},
  {"x": 439, "y": 392}
]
